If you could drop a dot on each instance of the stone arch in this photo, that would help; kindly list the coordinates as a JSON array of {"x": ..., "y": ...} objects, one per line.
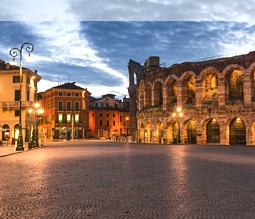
[
  {"x": 212, "y": 128},
  {"x": 233, "y": 78},
  {"x": 209, "y": 79},
  {"x": 251, "y": 75},
  {"x": 190, "y": 136},
  {"x": 141, "y": 94},
  {"x": 158, "y": 92},
  {"x": 188, "y": 80},
  {"x": 237, "y": 131},
  {"x": 158, "y": 132},
  {"x": 171, "y": 90},
  {"x": 148, "y": 94}
]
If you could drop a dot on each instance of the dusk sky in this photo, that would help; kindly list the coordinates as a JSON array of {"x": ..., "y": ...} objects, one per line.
[{"x": 91, "y": 42}]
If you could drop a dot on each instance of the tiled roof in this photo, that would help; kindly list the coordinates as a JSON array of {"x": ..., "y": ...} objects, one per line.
[{"x": 69, "y": 86}]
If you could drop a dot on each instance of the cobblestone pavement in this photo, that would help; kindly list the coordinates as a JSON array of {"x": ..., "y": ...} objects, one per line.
[{"x": 103, "y": 179}]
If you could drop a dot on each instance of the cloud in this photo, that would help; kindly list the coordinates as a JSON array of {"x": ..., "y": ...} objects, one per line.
[{"x": 131, "y": 10}]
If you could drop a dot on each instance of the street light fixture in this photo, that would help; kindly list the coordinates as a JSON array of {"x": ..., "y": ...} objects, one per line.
[
  {"x": 178, "y": 115},
  {"x": 37, "y": 112},
  {"x": 18, "y": 52}
]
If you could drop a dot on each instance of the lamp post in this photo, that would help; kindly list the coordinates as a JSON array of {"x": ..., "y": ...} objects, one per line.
[
  {"x": 37, "y": 112},
  {"x": 178, "y": 114},
  {"x": 18, "y": 52}
]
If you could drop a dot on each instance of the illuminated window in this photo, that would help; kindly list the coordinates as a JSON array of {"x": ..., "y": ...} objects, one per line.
[
  {"x": 68, "y": 118},
  {"x": 60, "y": 118},
  {"x": 76, "y": 118}
]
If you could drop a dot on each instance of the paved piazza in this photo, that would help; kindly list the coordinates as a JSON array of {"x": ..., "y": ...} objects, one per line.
[{"x": 104, "y": 179}]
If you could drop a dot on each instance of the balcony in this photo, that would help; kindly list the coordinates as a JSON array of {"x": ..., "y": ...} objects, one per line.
[{"x": 15, "y": 104}]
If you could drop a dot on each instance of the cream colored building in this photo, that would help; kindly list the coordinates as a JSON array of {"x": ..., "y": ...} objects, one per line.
[{"x": 9, "y": 101}]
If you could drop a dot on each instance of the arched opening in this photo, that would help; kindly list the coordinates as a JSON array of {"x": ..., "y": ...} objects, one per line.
[
  {"x": 175, "y": 132},
  {"x": 159, "y": 132},
  {"x": 237, "y": 132},
  {"x": 189, "y": 90},
  {"x": 212, "y": 131},
  {"x": 5, "y": 132},
  {"x": 171, "y": 89},
  {"x": 158, "y": 93},
  {"x": 235, "y": 85},
  {"x": 210, "y": 87},
  {"x": 148, "y": 95},
  {"x": 141, "y": 95},
  {"x": 191, "y": 132}
]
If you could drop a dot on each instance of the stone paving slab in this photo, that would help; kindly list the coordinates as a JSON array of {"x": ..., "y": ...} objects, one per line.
[{"x": 95, "y": 179}]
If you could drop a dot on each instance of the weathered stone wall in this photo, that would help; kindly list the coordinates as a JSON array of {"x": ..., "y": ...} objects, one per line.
[{"x": 217, "y": 99}]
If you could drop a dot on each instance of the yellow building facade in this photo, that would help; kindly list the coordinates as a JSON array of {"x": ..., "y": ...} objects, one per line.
[{"x": 9, "y": 101}]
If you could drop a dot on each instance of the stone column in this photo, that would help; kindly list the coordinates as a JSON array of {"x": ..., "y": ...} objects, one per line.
[{"x": 247, "y": 89}]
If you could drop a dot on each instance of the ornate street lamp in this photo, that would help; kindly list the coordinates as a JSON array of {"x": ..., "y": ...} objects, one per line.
[
  {"x": 178, "y": 115},
  {"x": 18, "y": 52}
]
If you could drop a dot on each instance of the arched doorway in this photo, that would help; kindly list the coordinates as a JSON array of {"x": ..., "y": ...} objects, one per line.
[
  {"x": 175, "y": 133},
  {"x": 237, "y": 132},
  {"x": 191, "y": 132},
  {"x": 5, "y": 133},
  {"x": 212, "y": 131}
]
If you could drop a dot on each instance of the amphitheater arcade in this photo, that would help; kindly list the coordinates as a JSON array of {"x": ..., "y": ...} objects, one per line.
[{"x": 216, "y": 97}]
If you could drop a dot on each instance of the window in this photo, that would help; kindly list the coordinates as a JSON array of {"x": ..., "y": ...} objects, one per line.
[
  {"x": 120, "y": 118},
  {"x": 60, "y": 105},
  {"x": 28, "y": 80},
  {"x": 60, "y": 118},
  {"x": 101, "y": 114},
  {"x": 76, "y": 118},
  {"x": 107, "y": 123},
  {"x": 68, "y": 94},
  {"x": 107, "y": 115},
  {"x": 77, "y": 106},
  {"x": 16, "y": 79},
  {"x": 102, "y": 104},
  {"x": 77, "y": 94},
  {"x": 28, "y": 95},
  {"x": 68, "y": 106},
  {"x": 113, "y": 123},
  {"x": 60, "y": 94},
  {"x": 100, "y": 122},
  {"x": 17, "y": 95},
  {"x": 113, "y": 115},
  {"x": 96, "y": 105},
  {"x": 68, "y": 118},
  {"x": 17, "y": 113}
]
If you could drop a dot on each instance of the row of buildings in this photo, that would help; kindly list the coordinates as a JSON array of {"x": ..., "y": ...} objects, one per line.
[{"x": 69, "y": 111}]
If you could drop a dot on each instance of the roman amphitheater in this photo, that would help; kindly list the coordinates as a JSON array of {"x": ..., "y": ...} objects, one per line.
[{"x": 207, "y": 102}]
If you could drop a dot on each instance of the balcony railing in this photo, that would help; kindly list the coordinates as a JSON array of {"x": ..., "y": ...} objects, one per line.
[{"x": 15, "y": 104}]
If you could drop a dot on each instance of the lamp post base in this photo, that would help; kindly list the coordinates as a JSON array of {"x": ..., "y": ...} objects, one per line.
[{"x": 19, "y": 148}]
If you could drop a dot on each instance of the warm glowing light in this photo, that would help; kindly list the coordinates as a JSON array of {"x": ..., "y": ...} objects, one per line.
[
  {"x": 214, "y": 120},
  {"x": 30, "y": 110},
  {"x": 180, "y": 114},
  {"x": 127, "y": 118},
  {"x": 174, "y": 114},
  {"x": 238, "y": 119},
  {"x": 33, "y": 77},
  {"x": 40, "y": 111},
  {"x": 37, "y": 105},
  {"x": 179, "y": 109}
]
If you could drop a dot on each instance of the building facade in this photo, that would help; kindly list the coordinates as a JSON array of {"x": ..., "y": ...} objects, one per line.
[
  {"x": 66, "y": 112},
  {"x": 215, "y": 99},
  {"x": 9, "y": 101},
  {"x": 108, "y": 117}
]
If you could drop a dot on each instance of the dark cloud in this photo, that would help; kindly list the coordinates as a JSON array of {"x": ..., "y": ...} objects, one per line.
[{"x": 111, "y": 45}]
